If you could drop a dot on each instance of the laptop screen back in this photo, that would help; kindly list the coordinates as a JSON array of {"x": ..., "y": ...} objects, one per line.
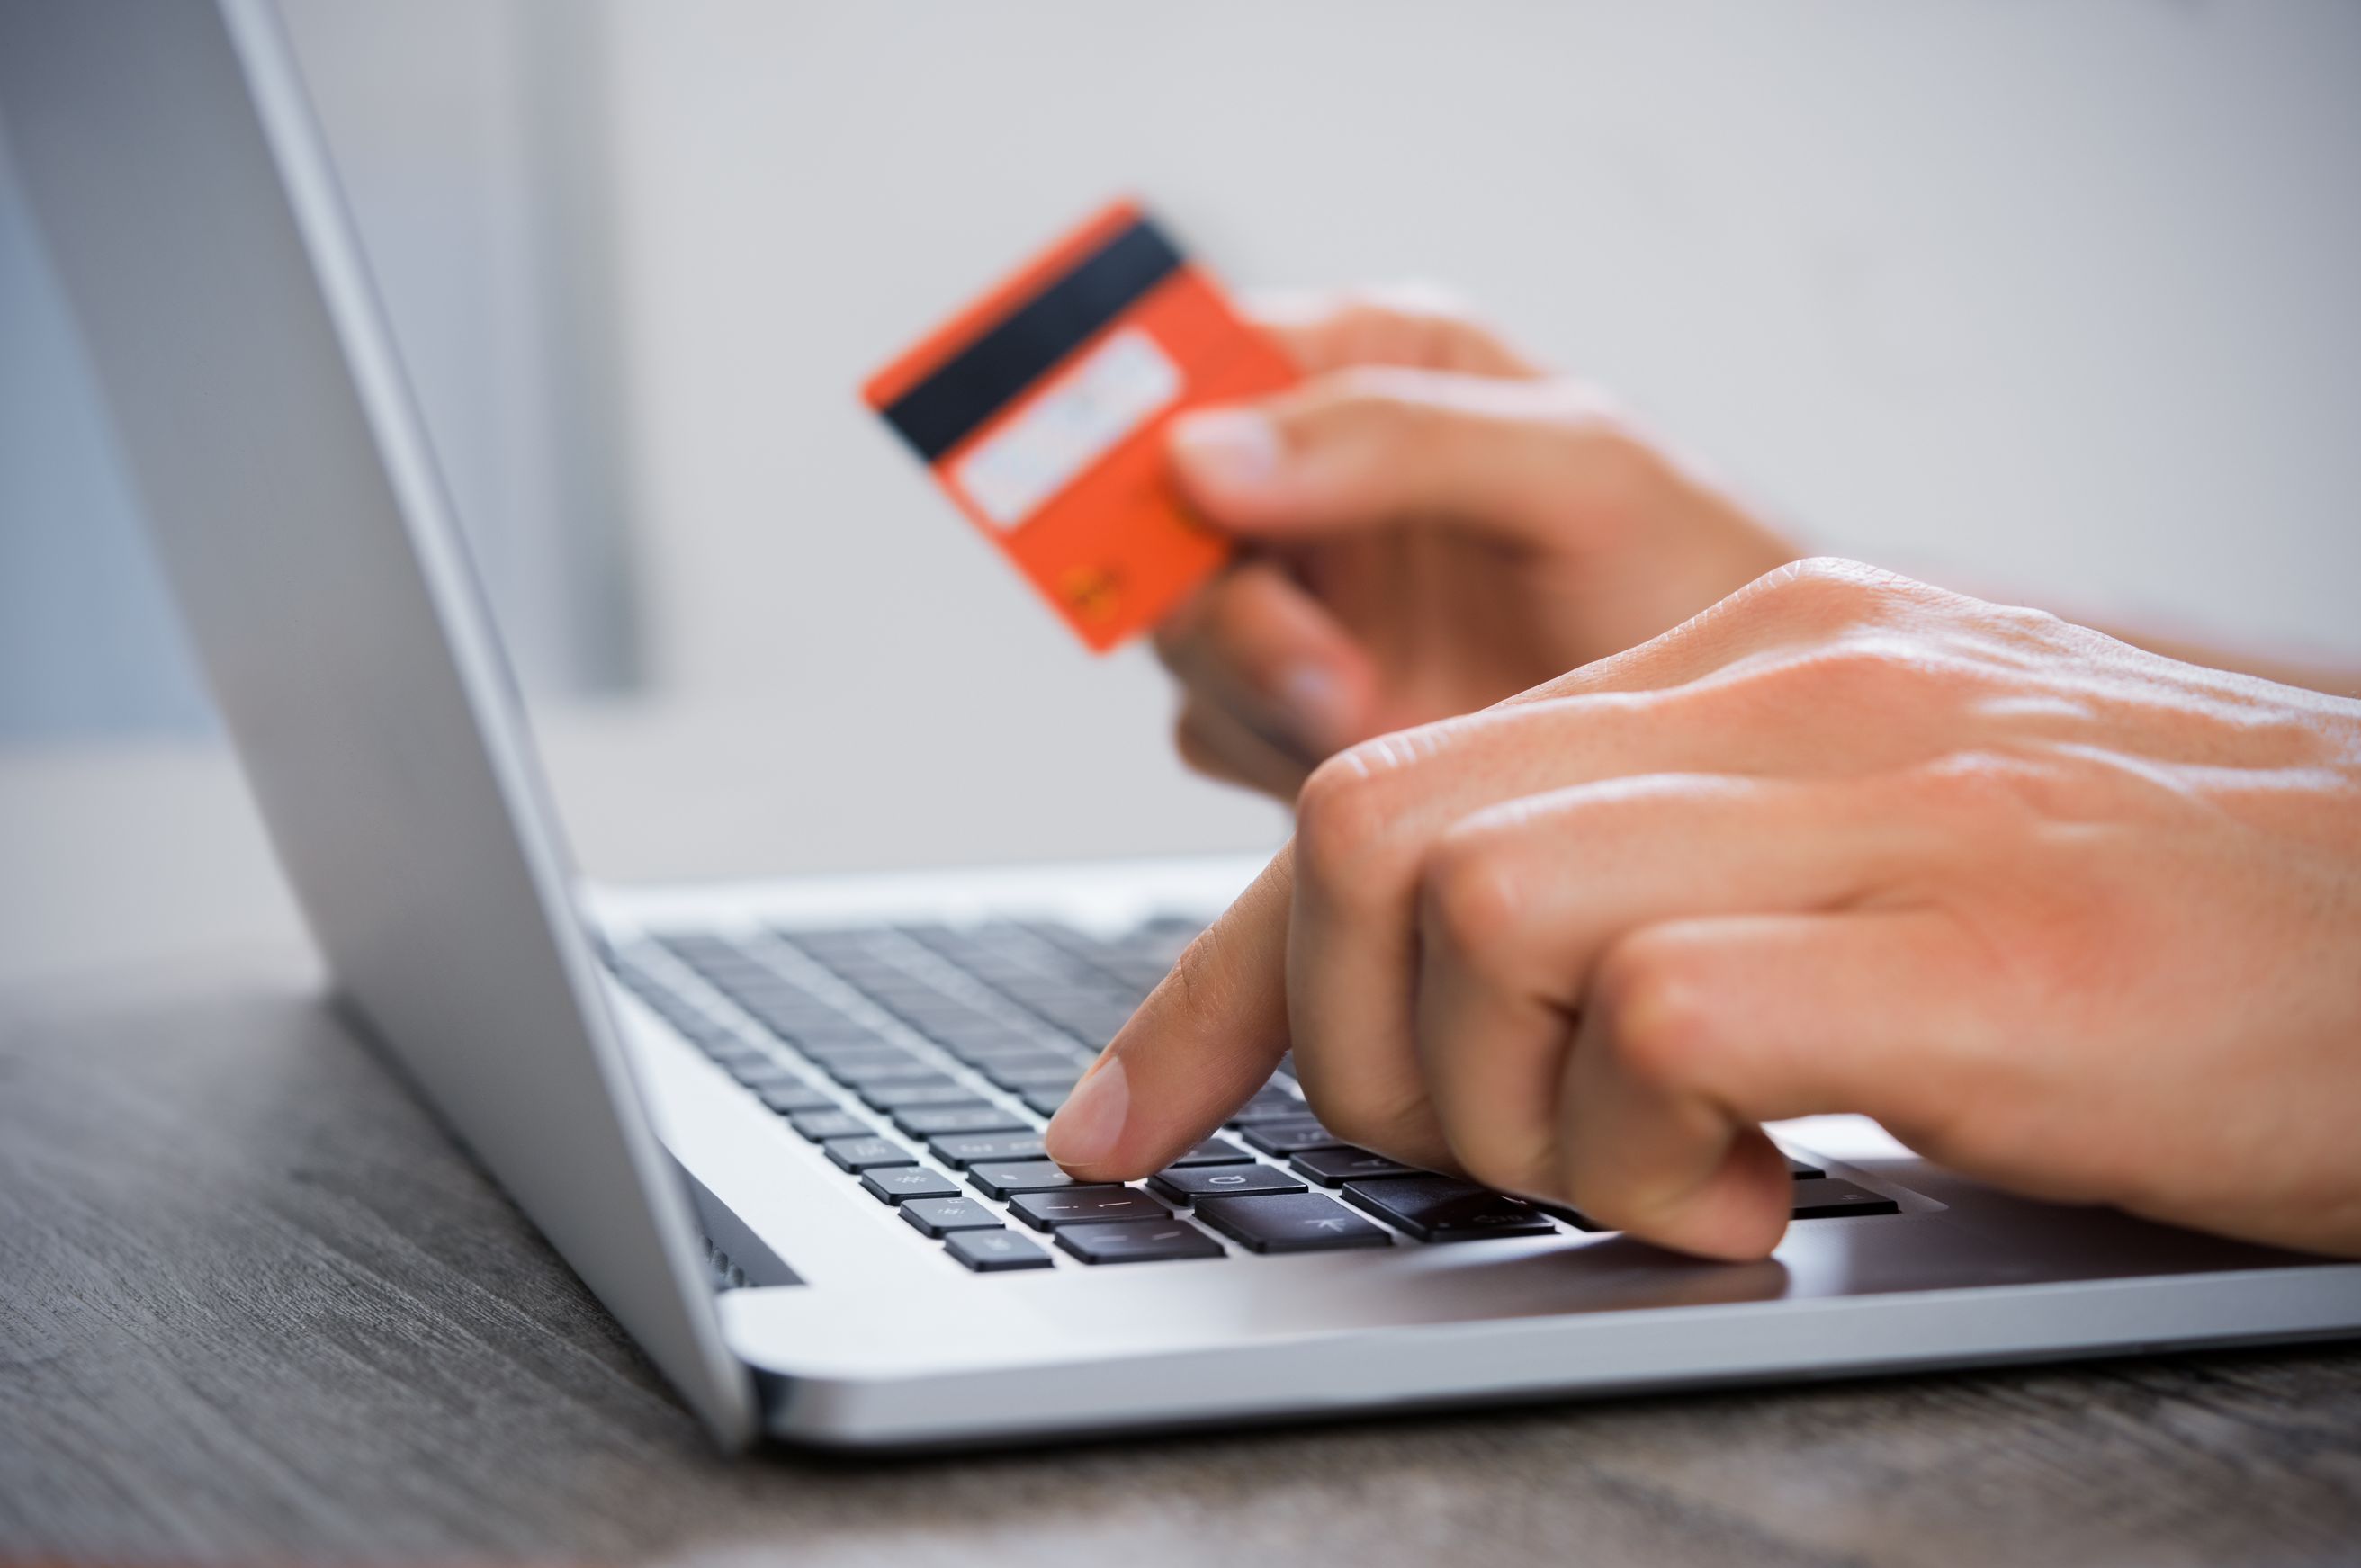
[{"x": 189, "y": 211}]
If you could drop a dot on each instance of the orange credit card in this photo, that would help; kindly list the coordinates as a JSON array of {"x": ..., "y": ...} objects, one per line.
[{"x": 1041, "y": 407}]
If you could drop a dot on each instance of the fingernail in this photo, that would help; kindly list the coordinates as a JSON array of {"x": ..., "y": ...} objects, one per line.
[
  {"x": 1229, "y": 448},
  {"x": 1090, "y": 1123},
  {"x": 1314, "y": 700}
]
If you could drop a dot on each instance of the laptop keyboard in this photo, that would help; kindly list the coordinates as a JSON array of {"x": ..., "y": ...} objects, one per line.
[{"x": 925, "y": 1060}]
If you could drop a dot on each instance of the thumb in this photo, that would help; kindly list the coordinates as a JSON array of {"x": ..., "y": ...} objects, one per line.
[
  {"x": 1365, "y": 448},
  {"x": 1207, "y": 1038}
]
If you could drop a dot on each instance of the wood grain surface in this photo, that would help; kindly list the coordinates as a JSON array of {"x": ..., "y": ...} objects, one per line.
[{"x": 253, "y": 1306}]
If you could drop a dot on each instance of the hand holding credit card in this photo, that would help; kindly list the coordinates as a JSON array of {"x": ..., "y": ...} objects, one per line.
[{"x": 1040, "y": 411}]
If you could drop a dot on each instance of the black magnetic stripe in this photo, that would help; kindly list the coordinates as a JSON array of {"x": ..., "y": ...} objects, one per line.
[{"x": 936, "y": 413}]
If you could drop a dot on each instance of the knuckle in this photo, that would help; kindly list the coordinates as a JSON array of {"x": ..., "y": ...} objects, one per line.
[
  {"x": 1238, "y": 605},
  {"x": 1187, "y": 641},
  {"x": 1658, "y": 1007},
  {"x": 1345, "y": 810},
  {"x": 1825, "y": 591},
  {"x": 1599, "y": 451},
  {"x": 1191, "y": 745},
  {"x": 1175, "y": 644},
  {"x": 1473, "y": 892},
  {"x": 1875, "y": 674},
  {"x": 1348, "y": 1116},
  {"x": 1197, "y": 751},
  {"x": 1983, "y": 790},
  {"x": 1412, "y": 319},
  {"x": 1381, "y": 402},
  {"x": 1491, "y": 1162},
  {"x": 1439, "y": 326},
  {"x": 1621, "y": 458},
  {"x": 1355, "y": 1112},
  {"x": 1241, "y": 636},
  {"x": 1360, "y": 415}
]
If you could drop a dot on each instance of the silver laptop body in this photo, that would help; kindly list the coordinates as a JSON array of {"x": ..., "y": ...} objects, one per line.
[{"x": 193, "y": 222}]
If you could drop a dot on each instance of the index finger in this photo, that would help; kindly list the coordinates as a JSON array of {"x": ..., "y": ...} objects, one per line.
[{"x": 1206, "y": 1039}]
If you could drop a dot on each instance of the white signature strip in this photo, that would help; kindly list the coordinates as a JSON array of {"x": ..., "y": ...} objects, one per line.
[{"x": 1085, "y": 414}]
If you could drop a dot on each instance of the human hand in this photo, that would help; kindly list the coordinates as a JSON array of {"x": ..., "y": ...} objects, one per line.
[
  {"x": 2076, "y": 919},
  {"x": 1433, "y": 525}
]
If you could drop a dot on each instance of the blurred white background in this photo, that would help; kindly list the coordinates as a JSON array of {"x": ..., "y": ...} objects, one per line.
[{"x": 2052, "y": 301}]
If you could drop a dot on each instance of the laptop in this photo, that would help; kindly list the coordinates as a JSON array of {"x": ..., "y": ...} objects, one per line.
[{"x": 790, "y": 1134}]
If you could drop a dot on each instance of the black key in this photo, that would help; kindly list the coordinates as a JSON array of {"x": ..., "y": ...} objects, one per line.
[
  {"x": 1344, "y": 1163},
  {"x": 1827, "y": 1198},
  {"x": 881, "y": 976},
  {"x": 819, "y": 1125},
  {"x": 853, "y": 1052},
  {"x": 850, "y": 1037},
  {"x": 941, "y": 1216},
  {"x": 977, "y": 1047},
  {"x": 823, "y": 942},
  {"x": 891, "y": 1184},
  {"x": 916, "y": 996},
  {"x": 967, "y": 1148},
  {"x": 994, "y": 1252},
  {"x": 784, "y": 1095},
  {"x": 927, "y": 1121},
  {"x": 861, "y": 1075},
  {"x": 1035, "y": 1082},
  {"x": 1292, "y": 1138},
  {"x": 1044, "y": 1100},
  {"x": 1033, "y": 1071},
  {"x": 1213, "y": 1151},
  {"x": 1802, "y": 1171},
  {"x": 754, "y": 1075},
  {"x": 1137, "y": 1241},
  {"x": 938, "y": 1090},
  {"x": 825, "y": 1048},
  {"x": 866, "y": 1154},
  {"x": 850, "y": 1044},
  {"x": 1085, "y": 1205},
  {"x": 1269, "y": 1106},
  {"x": 1299, "y": 1222},
  {"x": 783, "y": 1000},
  {"x": 1440, "y": 1208},
  {"x": 776, "y": 993},
  {"x": 951, "y": 1022},
  {"x": 757, "y": 1076},
  {"x": 1001, "y": 1178},
  {"x": 1183, "y": 1185},
  {"x": 971, "y": 1030},
  {"x": 835, "y": 1035}
]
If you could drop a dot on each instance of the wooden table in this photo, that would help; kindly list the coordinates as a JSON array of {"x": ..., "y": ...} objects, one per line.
[{"x": 254, "y": 1306}]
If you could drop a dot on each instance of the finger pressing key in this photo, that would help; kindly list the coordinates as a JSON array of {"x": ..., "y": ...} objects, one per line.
[{"x": 1204, "y": 1040}]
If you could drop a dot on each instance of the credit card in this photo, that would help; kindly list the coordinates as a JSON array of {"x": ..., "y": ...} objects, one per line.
[{"x": 1040, "y": 411}]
